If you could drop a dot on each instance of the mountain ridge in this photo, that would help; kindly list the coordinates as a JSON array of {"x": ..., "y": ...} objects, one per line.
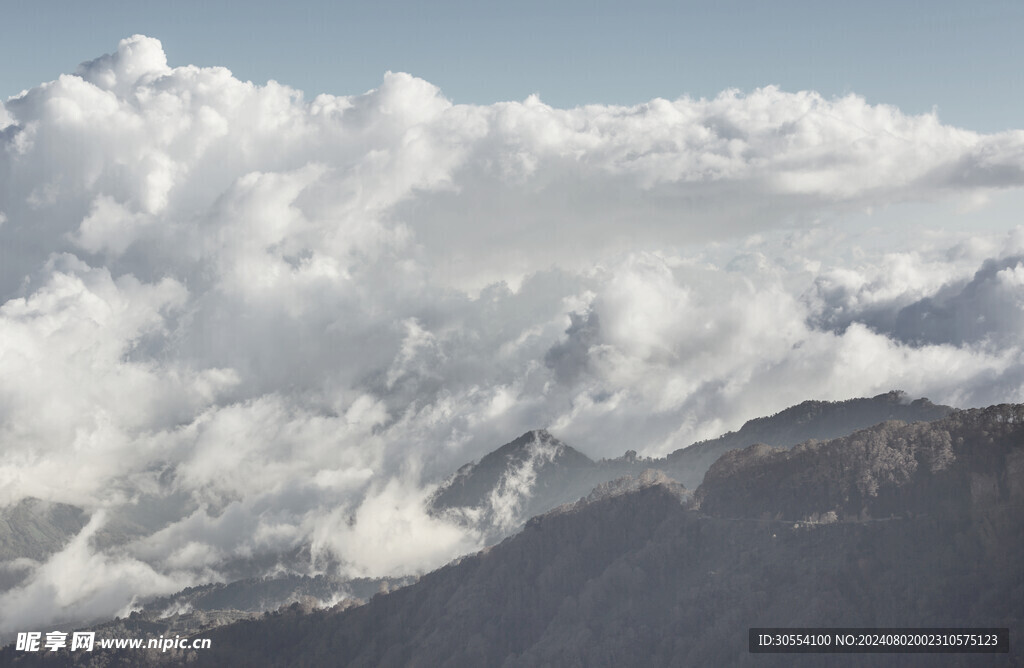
[
  {"x": 506, "y": 487},
  {"x": 649, "y": 578},
  {"x": 535, "y": 474}
]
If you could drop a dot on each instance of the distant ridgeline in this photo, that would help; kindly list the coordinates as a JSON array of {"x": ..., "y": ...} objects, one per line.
[
  {"x": 537, "y": 472},
  {"x": 818, "y": 420},
  {"x": 897, "y": 525}
]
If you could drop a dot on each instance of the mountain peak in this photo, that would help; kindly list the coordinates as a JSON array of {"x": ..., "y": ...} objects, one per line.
[
  {"x": 519, "y": 479},
  {"x": 533, "y": 436},
  {"x": 527, "y": 443}
]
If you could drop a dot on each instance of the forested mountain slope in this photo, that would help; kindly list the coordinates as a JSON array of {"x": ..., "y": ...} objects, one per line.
[{"x": 910, "y": 526}]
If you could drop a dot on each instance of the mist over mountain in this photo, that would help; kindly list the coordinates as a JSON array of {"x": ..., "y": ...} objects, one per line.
[
  {"x": 528, "y": 476},
  {"x": 197, "y": 610},
  {"x": 31, "y": 531},
  {"x": 269, "y": 594},
  {"x": 906, "y": 525},
  {"x": 494, "y": 497},
  {"x": 536, "y": 472},
  {"x": 925, "y": 530},
  {"x": 531, "y": 475}
]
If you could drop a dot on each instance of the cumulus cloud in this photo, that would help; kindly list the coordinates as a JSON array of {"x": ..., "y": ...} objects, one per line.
[
  {"x": 945, "y": 299},
  {"x": 247, "y": 330},
  {"x": 990, "y": 305}
]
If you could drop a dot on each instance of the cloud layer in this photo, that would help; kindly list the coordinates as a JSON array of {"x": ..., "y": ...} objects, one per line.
[{"x": 236, "y": 322}]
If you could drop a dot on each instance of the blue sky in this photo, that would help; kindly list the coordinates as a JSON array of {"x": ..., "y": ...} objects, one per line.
[{"x": 962, "y": 58}]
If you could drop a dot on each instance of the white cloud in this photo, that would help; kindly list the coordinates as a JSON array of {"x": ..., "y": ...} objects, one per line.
[
  {"x": 79, "y": 584},
  {"x": 390, "y": 532},
  {"x": 236, "y": 321},
  {"x": 137, "y": 58}
]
